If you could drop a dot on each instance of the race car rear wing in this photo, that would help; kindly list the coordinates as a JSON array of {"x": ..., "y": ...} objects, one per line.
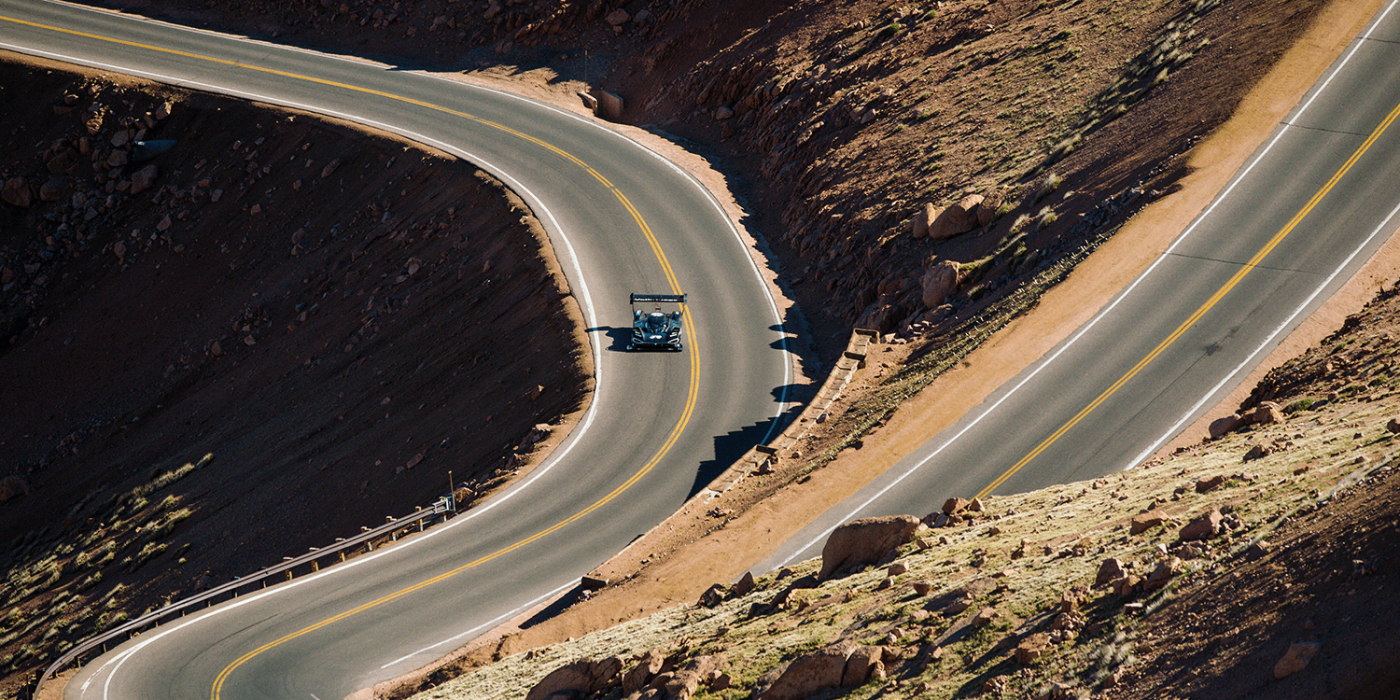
[{"x": 649, "y": 298}]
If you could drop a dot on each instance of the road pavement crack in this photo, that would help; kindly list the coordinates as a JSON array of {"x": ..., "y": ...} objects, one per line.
[{"x": 1237, "y": 263}]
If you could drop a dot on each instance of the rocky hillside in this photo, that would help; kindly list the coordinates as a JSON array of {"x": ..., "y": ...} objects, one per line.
[
  {"x": 926, "y": 170},
  {"x": 1259, "y": 564},
  {"x": 230, "y": 333},
  {"x": 910, "y": 165}
]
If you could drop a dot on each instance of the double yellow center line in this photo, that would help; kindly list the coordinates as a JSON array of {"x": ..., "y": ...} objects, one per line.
[
  {"x": 1204, "y": 308},
  {"x": 693, "y": 353}
]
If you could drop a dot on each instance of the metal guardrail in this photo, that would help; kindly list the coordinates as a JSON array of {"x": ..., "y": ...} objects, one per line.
[
  {"x": 443, "y": 506},
  {"x": 851, "y": 360}
]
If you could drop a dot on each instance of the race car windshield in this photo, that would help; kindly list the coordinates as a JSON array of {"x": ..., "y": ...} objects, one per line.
[{"x": 656, "y": 322}]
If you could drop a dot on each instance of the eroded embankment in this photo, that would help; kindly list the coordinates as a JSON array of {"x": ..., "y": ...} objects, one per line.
[{"x": 338, "y": 318}]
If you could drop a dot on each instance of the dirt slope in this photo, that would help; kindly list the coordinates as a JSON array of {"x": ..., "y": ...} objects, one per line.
[{"x": 338, "y": 319}]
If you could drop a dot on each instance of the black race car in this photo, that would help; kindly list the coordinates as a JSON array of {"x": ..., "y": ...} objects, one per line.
[{"x": 656, "y": 328}]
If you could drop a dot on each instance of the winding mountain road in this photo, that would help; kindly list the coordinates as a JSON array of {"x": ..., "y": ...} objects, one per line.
[
  {"x": 660, "y": 426},
  {"x": 1304, "y": 214},
  {"x": 1309, "y": 208}
]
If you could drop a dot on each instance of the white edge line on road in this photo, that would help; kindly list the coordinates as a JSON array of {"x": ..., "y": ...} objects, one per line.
[
  {"x": 1249, "y": 362},
  {"x": 485, "y": 625},
  {"x": 1282, "y": 129},
  {"x": 714, "y": 202},
  {"x": 585, "y": 298},
  {"x": 772, "y": 304},
  {"x": 553, "y": 225}
]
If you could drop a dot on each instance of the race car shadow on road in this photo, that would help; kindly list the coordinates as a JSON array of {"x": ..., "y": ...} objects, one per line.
[{"x": 618, "y": 337}]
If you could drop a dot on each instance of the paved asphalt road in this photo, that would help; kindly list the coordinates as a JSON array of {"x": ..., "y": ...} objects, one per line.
[
  {"x": 1309, "y": 208},
  {"x": 660, "y": 427}
]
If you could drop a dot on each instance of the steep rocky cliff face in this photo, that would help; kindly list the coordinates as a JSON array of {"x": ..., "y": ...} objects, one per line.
[{"x": 228, "y": 334}]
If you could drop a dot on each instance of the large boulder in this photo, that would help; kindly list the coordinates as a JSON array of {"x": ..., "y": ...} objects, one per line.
[
  {"x": 13, "y": 486},
  {"x": 1265, "y": 413},
  {"x": 582, "y": 677},
  {"x": 55, "y": 188},
  {"x": 1142, "y": 522},
  {"x": 865, "y": 541},
  {"x": 939, "y": 281},
  {"x": 843, "y": 664},
  {"x": 1226, "y": 424},
  {"x": 646, "y": 669},
  {"x": 17, "y": 192},
  {"x": 685, "y": 681},
  {"x": 919, "y": 227},
  {"x": 1296, "y": 659},
  {"x": 957, "y": 219},
  {"x": 864, "y": 663},
  {"x": 987, "y": 210},
  {"x": 1202, "y": 528},
  {"x": 142, "y": 179}
]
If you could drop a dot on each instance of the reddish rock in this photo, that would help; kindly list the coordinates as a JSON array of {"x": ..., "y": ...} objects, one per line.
[
  {"x": 684, "y": 682},
  {"x": 744, "y": 586},
  {"x": 1109, "y": 571},
  {"x": 918, "y": 227},
  {"x": 1127, "y": 585},
  {"x": 1032, "y": 648},
  {"x": 1257, "y": 452},
  {"x": 1296, "y": 659},
  {"x": 953, "y": 506},
  {"x": 1265, "y": 413},
  {"x": 1143, "y": 522},
  {"x": 13, "y": 486},
  {"x": 142, "y": 179},
  {"x": 811, "y": 674},
  {"x": 863, "y": 664},
  {"x": 1162, "y": 575},
  {"x": 865, "y": 541},
  {"x": 984, "y": 617},
  {"x": 713, "y": 596},
  {"x": 1208, "y": 485},
  {"x": 647, "y": 667},
  {"x": 17, "y": 193},
  {"x": 1221, "y": 426},
  {"x": 956, "y": 219},
  {"x": 585, "y": 676},
  {"x": 938, "y": 282},
  {"x": 1201, "y": 528}
]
